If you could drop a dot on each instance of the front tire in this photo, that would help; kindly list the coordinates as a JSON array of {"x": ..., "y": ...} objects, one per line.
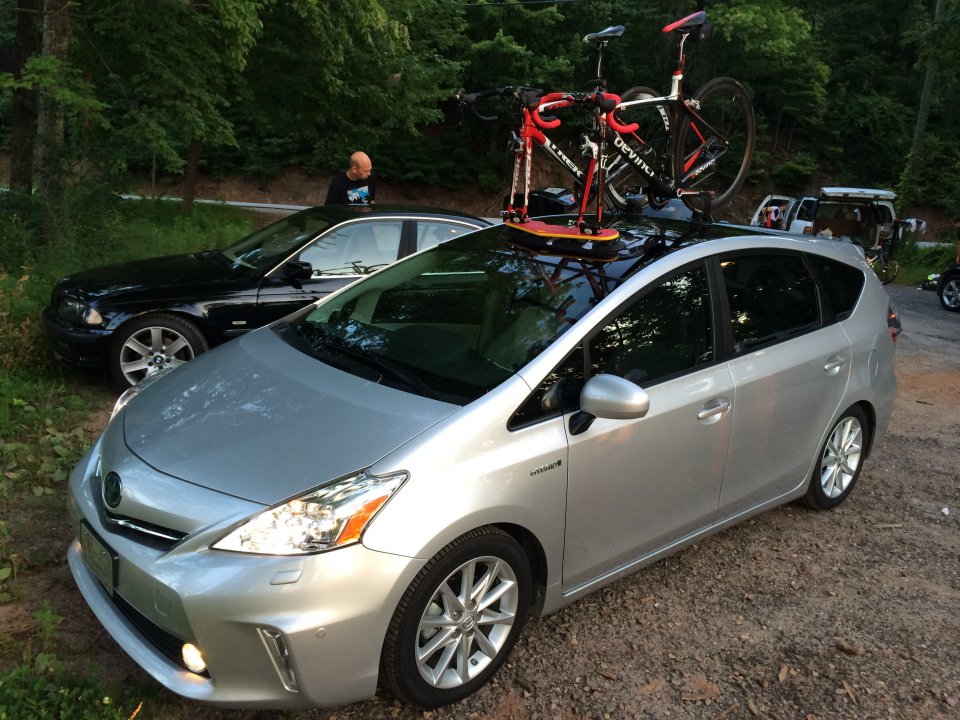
[
  {"x": 458, "y": 620},
  {"x": 841, "y": 459},
  {"x": 150, "y": 343},
  {"x": 949, "y": 294},
  {"x": 727, "y": 147}
]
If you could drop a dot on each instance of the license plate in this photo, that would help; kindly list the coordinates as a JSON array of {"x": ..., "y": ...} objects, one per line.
[{"x": 101, "y": 560}]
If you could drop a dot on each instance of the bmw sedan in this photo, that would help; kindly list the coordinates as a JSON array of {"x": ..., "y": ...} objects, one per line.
[
  {"x": 137, "y": 318},
  {"x": 379, "y": 489}
]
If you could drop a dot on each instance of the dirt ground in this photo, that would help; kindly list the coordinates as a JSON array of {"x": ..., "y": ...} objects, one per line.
[{"x": 853, "y": 613}]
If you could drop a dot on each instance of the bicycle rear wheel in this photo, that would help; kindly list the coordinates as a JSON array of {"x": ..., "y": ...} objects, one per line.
[
  {"x": 713, "y": 151},
  {"x": 650, "y": 142},
  {"x": 886, "y": 269}
]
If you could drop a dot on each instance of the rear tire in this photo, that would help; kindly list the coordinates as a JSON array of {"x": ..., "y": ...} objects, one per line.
[
  {"x": 650, "y": 141},
  {"x": 840, "y": 461},
  {"x": 724, "y": 106}
]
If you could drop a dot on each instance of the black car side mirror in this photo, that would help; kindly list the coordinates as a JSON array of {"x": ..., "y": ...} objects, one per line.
[{"x": 297, "y": 270}]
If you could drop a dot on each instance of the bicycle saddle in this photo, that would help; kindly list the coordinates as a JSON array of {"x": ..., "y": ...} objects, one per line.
[
  {"x": 687, "y": 24},
  {"x": 614, "y": 31}
]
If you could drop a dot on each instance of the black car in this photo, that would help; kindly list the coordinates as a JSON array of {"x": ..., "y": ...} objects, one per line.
[
  {"x": 948, "y": 288},
  {"x": 137, "y": 317}
]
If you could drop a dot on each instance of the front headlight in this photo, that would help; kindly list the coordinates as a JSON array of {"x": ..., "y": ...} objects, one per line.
[
  {"x": 78, "y": 312},
  {"x": 323, "y": 519},
  {"x": 131, "y": 392}
]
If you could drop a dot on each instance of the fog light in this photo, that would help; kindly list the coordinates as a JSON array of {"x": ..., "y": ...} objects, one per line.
[{"x": 193, "y": 659}]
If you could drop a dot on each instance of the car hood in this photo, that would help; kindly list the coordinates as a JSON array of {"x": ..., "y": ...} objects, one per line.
[
  {"x": 260, "y": 420},
  {"x": 166, "y": 275}
]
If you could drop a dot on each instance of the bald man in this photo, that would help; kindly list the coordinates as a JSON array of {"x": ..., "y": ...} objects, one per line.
[{"x": 354, "y": 186}]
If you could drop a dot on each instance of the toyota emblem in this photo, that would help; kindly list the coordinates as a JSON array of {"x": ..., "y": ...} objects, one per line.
[{"x": 112, "y": 489}]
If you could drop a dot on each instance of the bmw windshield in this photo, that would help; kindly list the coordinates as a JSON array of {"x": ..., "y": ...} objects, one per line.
[
  {"x": 268, "y": 246},
  {"x": 453, "y": 322}
]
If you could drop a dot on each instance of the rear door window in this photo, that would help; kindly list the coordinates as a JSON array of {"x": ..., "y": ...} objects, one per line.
[
  {"x": 772, "y": 297},
  {"x": 841, "y": 283}
]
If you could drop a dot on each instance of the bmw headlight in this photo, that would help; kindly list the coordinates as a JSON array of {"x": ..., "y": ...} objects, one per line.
[
  {"x": 323, "y": 519},
  {"x": 78, "y": 312}
]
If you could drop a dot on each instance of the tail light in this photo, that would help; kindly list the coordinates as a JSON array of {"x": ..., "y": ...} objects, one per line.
[{"x": 893, "y": 322}]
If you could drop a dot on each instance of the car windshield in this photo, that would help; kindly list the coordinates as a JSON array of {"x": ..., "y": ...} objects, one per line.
[
  {"x": 455, "y": 321},
  {"x": 268, "y": 246}
]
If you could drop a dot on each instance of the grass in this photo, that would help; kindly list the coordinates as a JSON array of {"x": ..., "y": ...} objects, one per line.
[
  {"x": 916, "y": 263},
  {"x": 44, "y": 418}
]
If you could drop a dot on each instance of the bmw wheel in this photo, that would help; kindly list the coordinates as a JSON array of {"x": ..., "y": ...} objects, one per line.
[
  {"x": 841, "y": 459},
  {"x": 458, "y": 620},
  {"x": 150, "y": 343}
]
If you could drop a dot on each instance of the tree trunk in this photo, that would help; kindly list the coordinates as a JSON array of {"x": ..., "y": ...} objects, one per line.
[
  {"x": 908, "y": 182},
  {"x": 190, "y": 180},
  {"x": 23, "y": 120},
  {"x": 50, "y": 123}
]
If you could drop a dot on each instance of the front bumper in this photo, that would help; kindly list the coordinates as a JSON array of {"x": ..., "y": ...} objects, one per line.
[
  {"x": 278, "y": 632},
  {"x": 74, "y": 345}
]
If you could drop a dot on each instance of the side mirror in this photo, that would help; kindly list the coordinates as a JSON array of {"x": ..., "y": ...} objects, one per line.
[
  {"x": 611, "y": 397},
  {"x": 297, "y": 270}
]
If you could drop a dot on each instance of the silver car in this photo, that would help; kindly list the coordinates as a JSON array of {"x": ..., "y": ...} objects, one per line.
[{"x": 380, "y": 488}]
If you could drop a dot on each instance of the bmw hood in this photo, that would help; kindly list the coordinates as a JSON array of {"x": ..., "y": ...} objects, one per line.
[
  {"x": 258, "y": 419},
  {"x": 153, "y": 274}
]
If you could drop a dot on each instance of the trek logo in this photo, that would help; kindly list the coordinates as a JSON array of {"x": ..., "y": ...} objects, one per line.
[
  {"x": 563, "y": 159},
  {"x": 635, "y": 158}
]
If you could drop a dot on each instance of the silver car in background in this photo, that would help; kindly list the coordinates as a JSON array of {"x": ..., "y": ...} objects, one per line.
[{"x": 381, "y": 487}]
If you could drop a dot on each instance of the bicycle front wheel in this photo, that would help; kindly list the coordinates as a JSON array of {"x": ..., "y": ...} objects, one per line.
[
  {"x": 650, "y": 142},
  {"x": 714, "y": 144}
]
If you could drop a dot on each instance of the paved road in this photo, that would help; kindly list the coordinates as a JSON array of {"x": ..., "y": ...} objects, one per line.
[{"x": 926, "y": 325}]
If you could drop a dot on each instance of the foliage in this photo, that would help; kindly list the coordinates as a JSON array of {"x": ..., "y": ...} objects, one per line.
[
  {"x": 43, "y": 687},
  {"x": 264, "y": 84},
  {"x": 916, "y": 263}
]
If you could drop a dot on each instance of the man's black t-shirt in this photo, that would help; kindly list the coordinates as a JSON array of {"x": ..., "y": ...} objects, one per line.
[{"x": 344, "y": 191}]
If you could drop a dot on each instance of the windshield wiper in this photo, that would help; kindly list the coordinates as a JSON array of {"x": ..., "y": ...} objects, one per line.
[{"x": 218, "y": 257}]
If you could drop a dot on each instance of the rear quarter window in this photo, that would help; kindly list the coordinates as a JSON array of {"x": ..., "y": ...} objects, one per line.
[{"x": 841, "y": 284}]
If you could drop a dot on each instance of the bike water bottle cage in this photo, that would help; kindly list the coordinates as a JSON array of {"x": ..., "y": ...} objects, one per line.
[
  {"x": 614, "y": 31},
  {"x": 688, "y": 24}
]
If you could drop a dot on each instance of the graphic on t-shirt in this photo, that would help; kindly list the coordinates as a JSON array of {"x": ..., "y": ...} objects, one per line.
[{"x": 359, "y": 196}]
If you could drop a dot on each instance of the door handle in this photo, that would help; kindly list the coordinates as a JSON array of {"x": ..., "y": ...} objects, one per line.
[
  {"x": 714, "y": 410},
  {"x": 834, "y": 364}
]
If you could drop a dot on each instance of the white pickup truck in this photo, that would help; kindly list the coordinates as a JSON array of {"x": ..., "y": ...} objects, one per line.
[{"x": 865, "y": 216}]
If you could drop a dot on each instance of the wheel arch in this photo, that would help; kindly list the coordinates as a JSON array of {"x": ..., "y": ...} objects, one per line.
[
  {"x": 185, "y": 313},
  {"x": 537, "y": 558},
  {"x": 871, "y": 413}
]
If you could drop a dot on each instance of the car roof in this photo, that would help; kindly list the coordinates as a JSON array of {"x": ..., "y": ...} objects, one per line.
[
  {"x": 642, "y": 241},
  {"x": 341, "y": 213},
  {"x": 855, "y": 193}
]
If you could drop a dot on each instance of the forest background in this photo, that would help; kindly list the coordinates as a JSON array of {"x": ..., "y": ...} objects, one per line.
[{"x": 98, "y": 96}]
